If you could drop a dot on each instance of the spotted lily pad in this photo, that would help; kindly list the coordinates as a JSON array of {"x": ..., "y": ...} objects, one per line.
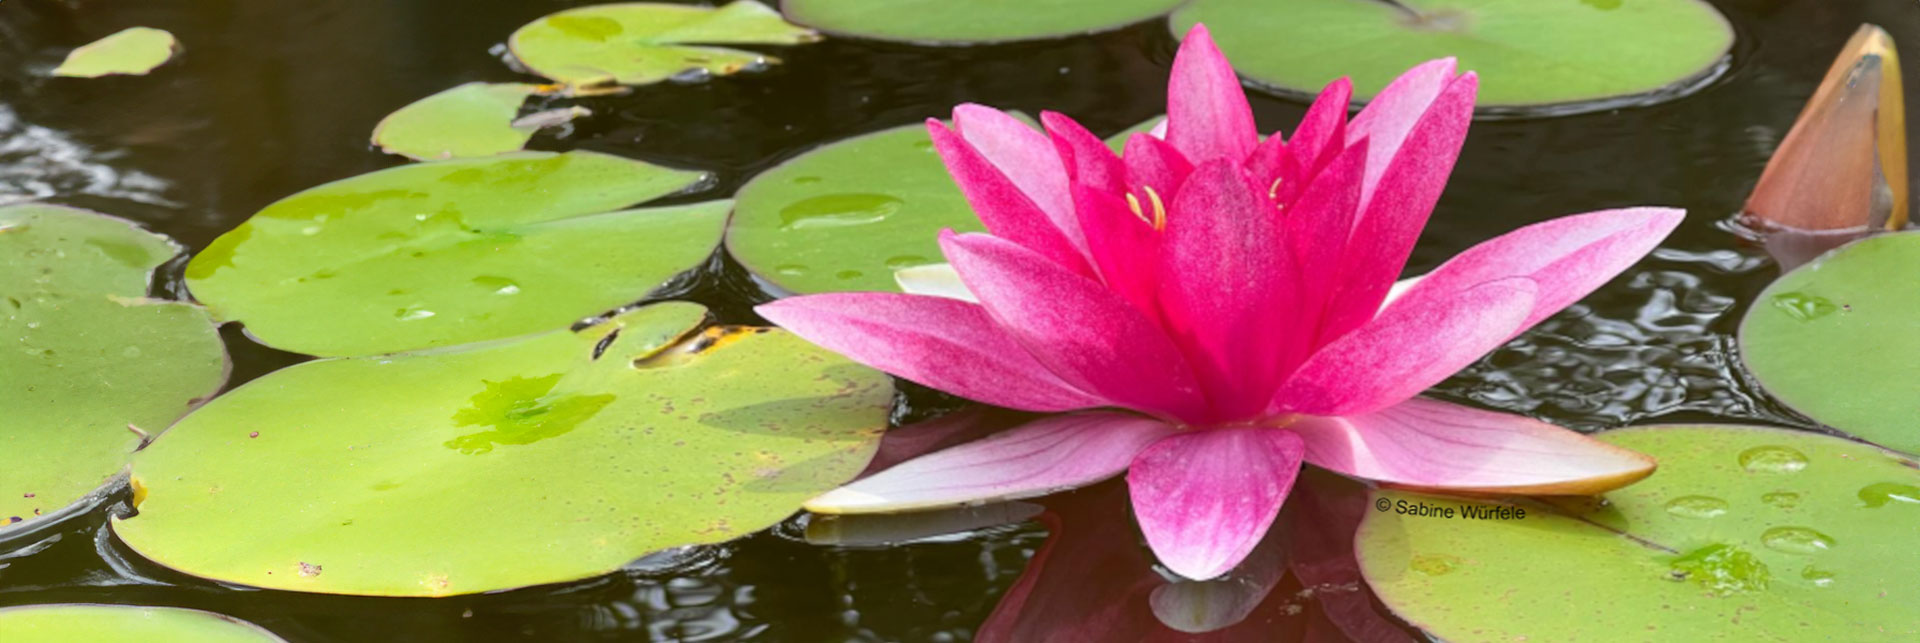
[
  {"x": 88, "y": 355},
  {"x": 474, "y": 119},
  {"x": 1837, "y": 339},
  {"x": 1744, "y": 534},
  {"x": 639, "y": 43},
  {"x": 1527, "y": 53},
  {"x": 134, "y": 51},
  {"x": 545, "y": 459},
  {"x": 958, "y": 23},
  {"x": 846, "y": 215},
  {"x": 67, "y": 623},
  {"x": 436, "y": 254}
]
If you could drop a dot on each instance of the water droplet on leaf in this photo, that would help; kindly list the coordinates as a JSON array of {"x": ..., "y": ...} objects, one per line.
[
  {"x": 1772, "y": 459},
  {"x": 1697, "y": 507},
  {"x": 1796, "y": 540}
]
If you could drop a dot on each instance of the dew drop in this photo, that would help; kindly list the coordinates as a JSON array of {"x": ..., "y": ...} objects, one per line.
[
  {"x": 1819, "y": 577},
  {"x": 1796, "y": 540},
  {"x": 1772, "y": 459},
  {"x": 1781, "y": 499},
  {"x": 907, "y": 261},
  {"x": 805, "y": 180},
  {"x": 1697, "y": 507},
  {"x": 847, "y": 274},
  {"x": 1802, "y": 306},
  {"x": 1881, "y": 493},
  {"x": 412, "y": 313},
  {"x": 790, "y": 269},
  {"x": 1434, "y": 564},
  {"x": 498, "y": 285},
  {"x": 835, "y": 210}
]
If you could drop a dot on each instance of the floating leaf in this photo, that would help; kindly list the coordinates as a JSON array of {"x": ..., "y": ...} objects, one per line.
[
  {"x": 436, "y": 254},
  {"x": 88, "y": 356},
  {"x": 641, "y": 42},
  {"x": 1792, "y": 535},
  {"x": 1527, "y": 53},
  {"x": 545, "y": 459},
  {"x": 846, "y": 215},
  {"x": 1827, "y": 183},
  {"x": 1837, "y": 339},
  {"x": 474, "y": 119},
  {"x": 68, "y": 623},
  {"x": 959, "y": 23},
  {"x": 133, "y": 51}
]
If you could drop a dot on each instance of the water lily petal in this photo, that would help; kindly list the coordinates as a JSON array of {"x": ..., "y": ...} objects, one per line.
[
  {"x": 1319, "y": 224},
  {"x": 1229, "y": 282},
  {"x": 1205, "y": 498},
  {"x": 1321, "y": 136},
  {"x": 933, "y": 280},
  {"x": 1048, "y": 455},
  {"x": 944, "y": 343},
  {"x": 1006, "y": 211},
  {"x": 1082, "y": 331},
  {"x": 1027, "y": 158},
  {"x": 1088, "y": 160},
  {"x": 1390, "y": 117},
  {"x": 1431, "y": 444},
  {"x": 1413, "y": 344},
  {"x": 1566, "y": 257},
  {"x": 1394, "y": 208},
  {"x": 1153, "y": 163},
  {"x": 1125, "y": 249},
  {"x": 1207, "y": 113}
]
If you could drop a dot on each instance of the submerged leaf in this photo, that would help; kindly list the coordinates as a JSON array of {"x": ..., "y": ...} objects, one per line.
[
  {"x": 639, "y": 43},
  {"x": 133, "y": 51},
  {"x": 92, "y": 362},
  {"x": 70, "y": 623},
  {"x": 436, "y": 254},
  {"x": 545, "y": 459},
  {"x": 1774, "y": 529},
  {"x": 960, "y": 23}
]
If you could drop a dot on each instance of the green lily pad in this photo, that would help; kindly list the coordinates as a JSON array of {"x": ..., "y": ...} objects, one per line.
[
  {"x": 846, "y": 215},
  {"x": 1527, "y": 53},
  {"x": 88, "y": 355},
  {"x": 67, "y": 623},
  {"x": 639, "y": 43},
  {"x": 436, "y": 254},
  {"x": 958, "y": 23},
  {"x": 134, "y": 51},
  {"x": 545, "y": 459},
  {"x": 1744, "y": 534},
  {"x": 470, "y": 120},
  {"x": 1837, "y": 339}
]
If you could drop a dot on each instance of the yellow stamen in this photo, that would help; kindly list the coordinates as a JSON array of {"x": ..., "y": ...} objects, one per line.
[
  {"x": 1134, "y": 204},
  {"x": 1273, "y": 191},
  {"x": 1159, "y": 209}
]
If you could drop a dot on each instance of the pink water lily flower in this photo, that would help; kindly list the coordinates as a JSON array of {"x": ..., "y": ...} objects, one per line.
[{"x": 1219, "y": 308}]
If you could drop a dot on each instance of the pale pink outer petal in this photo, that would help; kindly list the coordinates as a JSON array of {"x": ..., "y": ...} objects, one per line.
[
  {"x": 1412, "y": 345},
  {"x": 1048, "y": 455},
  {"x": 1430, "y": 444},
  {"x": 1567, "y": 257},
  {"x": 1081, "y": 330},
  {"x": 1387, "y": 120},
  {"x": 947, "y": 344},
  {"x": 1006, "y": 211},
  {"x": 1205, "y": 498},
  {"x": 1394, "y": 209},
  {"x": 1026, "y": 157},
  {"x": 1207, "y": 113}
]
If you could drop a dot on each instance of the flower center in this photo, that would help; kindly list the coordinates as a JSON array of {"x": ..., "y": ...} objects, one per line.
[{"x": 1159, "y": 220}]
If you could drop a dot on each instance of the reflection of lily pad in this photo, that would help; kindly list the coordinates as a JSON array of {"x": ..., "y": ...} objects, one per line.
[
  {"x": 545, "y": 459},
  {"x": 435, "y": 254},
  {"x": 1527, "y": 53},
  {"x": 133, "y": 51},
  {"x": 948, "y": 22},
  {"x": 1792, "y": 535},
  {"x": 642, "y": 42},
  {"x": 89, "y": 355},
  {"x": 103, "y": 623},
  {"x": 845, "y": 216},
  {"x": 1838, "y": 339},
  {"x": 474, "y": 119}
]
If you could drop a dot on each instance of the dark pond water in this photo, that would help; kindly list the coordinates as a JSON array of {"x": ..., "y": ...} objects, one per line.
[{"x": 274, "y": 96}]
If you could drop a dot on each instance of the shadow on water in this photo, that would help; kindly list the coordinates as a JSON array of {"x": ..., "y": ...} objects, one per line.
[{"x": 272, "y": 97}]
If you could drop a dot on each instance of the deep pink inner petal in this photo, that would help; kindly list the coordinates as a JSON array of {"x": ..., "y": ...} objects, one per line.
[
  {"x": 1001, "y": 205},
  {"x": 1207, "y": 113}
]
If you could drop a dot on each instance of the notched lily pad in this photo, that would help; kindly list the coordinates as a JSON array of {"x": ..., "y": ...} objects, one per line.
[
  {"x": 640, "y": 43},
  {"x": 544, "y": 459},
  {"x": 944, "y": 22},
  {"x": 67, "y": 623},
  {"x": 470, "y": 120},
  {"x": 1744, "y": 533},
  {"x": 1837, "y": 339},
  {"x": 91, "y": 363},
  {"x": 845, "y": 216},
  {"x": 133, "y": 51},
  {"x": 436, "y": 254},
  {"x": 1530, "y": 54}
]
